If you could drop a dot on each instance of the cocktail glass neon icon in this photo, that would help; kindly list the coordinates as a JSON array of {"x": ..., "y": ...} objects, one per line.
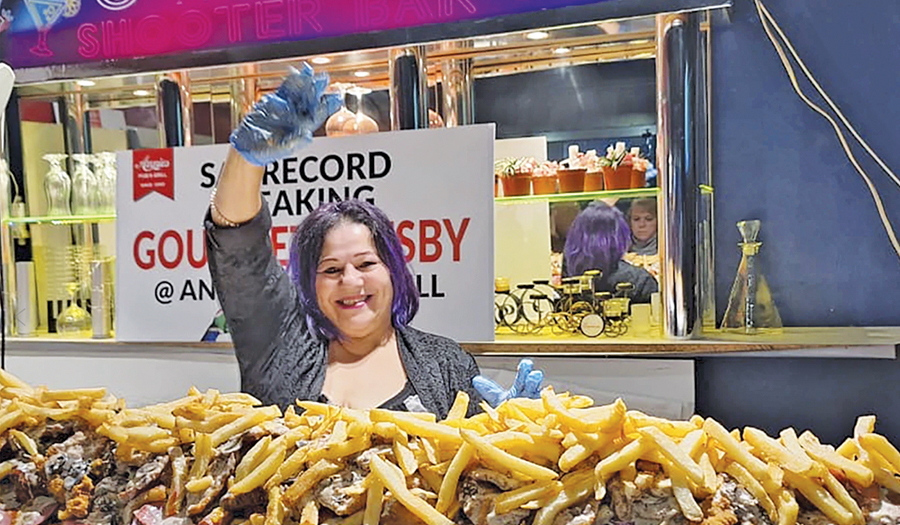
[{"x": 45, "y": 13}]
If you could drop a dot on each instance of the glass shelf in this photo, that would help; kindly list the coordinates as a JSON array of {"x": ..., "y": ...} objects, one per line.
[
  {"x": 61, "y": 219},
  {"x": 580, "y": 196}
]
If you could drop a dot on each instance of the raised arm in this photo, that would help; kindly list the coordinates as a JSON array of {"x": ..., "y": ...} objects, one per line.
[{"x": 259, "y": 301}]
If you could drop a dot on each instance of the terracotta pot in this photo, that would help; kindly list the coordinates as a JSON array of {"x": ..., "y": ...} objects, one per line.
[
  {"x": 544, "y": 185},
  {"x": 593, "y": 181},
  {"x": 496, "y": 186},
  {"x": 638, "y": 179},
  {"x": 517, "y": 185},
  {"x": 571, "y": 180},
  {"x": 617, "y": 178}
]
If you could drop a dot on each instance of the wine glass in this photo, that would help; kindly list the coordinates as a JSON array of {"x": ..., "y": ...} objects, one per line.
[
  {"x": 57, "y": 186},
  {"x": 74, "y": 319},
  {"x": 336, "y": 124}
]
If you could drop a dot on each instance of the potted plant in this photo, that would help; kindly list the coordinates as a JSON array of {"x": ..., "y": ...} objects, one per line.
[
  {"x": 593, "y": 179},
  {"x": 571, "y": 172},
  {"x": 639, "y": 168},
  {"x": 515, "y": 175},
  {"x": 544, "y": 178},
  {"x": 617, "y": 166}
]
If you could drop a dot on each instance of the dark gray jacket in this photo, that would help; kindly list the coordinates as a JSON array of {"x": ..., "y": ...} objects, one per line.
[{"x": 280, "y": 360}]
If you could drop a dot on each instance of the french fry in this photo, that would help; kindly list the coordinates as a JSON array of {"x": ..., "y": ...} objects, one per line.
[
  {"x": 310, "y": 513},
  {"x": 245, "y": 422},
  {"x": 303, "y": 484},
  {"x": 199, "y": 485},
  {"x": 513, "y": 499},
  {"x": 818, "y": 496},
  {"x": 675, "y": 429},
  {"x": 73, "y": 395},
  {"x": 275, "y": 510},
  {"x": 577, "y": 487},
  {"x": 732, "y": 447},
  {"x": 374, "y": 498},
  {"x": 416, "y": 426},
  {"x": 495, "y": 455},
  {"x": 864, "y": 425},
  {"x": 788, "y": 509},
  {"x": 448, "y": 486},
  {"x": 774, "y": 451},
  {"x": 25, "y": 441},
  {"x": 837, "y": 489},
  {"x": 880, "y": 444},
  {"x": 406, "y": 458},
  {"x": 11, "y": 418},
  {"x": 710, "y": 480},
  {"x": 290, "y": 467},
  {"x": 261, "y": 474},
  {"x": 393, "y": 480},
  {"x": 743, "y": 476},
  {"x": 679, "y": 458},
  {"x": 880, "y": 471},
  {"x": 202, "y": 455},
  {"x": 459, "y": 409},
  {"x": 10, "y": 381},
  {"x": 856, "y": 472},
  {"x": 619, "y": 460},
  {"x": 684, "y": 497},
  {"x": 849, "y": 449},
  {"x": 338, "y": 451}
]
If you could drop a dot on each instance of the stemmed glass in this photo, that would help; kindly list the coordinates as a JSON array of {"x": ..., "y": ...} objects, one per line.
[
  {"x": 361, "y": 123},
  {"x": 336, "y": 125},
  {"x": 87, "y": 197},
  {"x": 74, "y": 319},
  {"x": 57, "y": 186}
]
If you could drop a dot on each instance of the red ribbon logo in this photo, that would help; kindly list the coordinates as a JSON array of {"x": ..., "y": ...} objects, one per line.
[{"x": 153, "y": 170}]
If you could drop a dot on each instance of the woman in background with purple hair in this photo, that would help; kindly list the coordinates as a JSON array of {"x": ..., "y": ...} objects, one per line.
[{"x": 597, "y": 240}]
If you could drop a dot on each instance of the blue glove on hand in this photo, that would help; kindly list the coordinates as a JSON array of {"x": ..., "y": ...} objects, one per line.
[
  {"x": 527, "y": 384},
  {"x": 284, "y": 121}
]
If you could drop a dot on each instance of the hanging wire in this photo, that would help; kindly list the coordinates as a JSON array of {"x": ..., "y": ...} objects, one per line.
[{"x": 768, "y": 23}]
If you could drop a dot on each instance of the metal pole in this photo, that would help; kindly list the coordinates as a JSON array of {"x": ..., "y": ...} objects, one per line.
[
  {"x": 409, "y": 84},
  {"x": 458, "y": 92},
  {"x": 677, "y": 79}
]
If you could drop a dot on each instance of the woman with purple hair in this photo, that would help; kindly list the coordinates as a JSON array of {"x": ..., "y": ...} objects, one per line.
[
  {"x": 597, "y": 240},
  {"x": 335, "y": 326}
]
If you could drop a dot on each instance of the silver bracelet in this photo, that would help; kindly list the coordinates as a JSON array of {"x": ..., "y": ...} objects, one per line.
[{"x": 216, "y": 214}]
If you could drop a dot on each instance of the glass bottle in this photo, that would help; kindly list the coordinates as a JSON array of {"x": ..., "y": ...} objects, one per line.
[
  {"x": 751, "y": 309},
  {"x": 336, "y": 124},
  {"x": 361, "y": 122},
  {"x": 57, "y": 186},
  {"x": 87, "y": 196}
]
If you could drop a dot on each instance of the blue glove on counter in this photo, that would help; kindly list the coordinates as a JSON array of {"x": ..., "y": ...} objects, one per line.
[
  {"x": 284, "y": 121},
  {"x": 527, "y": 384}
]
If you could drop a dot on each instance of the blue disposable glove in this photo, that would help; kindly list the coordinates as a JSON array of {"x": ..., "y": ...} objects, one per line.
[
  {"x": 284, "y": 121},
  {"x": 527, "y": 384}
]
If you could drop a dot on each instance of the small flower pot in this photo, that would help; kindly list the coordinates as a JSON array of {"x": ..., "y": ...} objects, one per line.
[
  {"x": 517, "y": 185},
  {"x": 593, "y": 181},
  {"x": 571, "y": 180},
  {"x": 638, "y": 178},
  {"x": 617, "y": 178},
  {"x": 544, "y": 185}
]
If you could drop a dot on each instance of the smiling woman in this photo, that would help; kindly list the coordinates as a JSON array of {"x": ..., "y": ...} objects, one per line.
[{"x": 335, "y": 326}]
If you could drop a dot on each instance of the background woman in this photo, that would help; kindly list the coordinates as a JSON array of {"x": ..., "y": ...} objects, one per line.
[
  {"x": 597, "y": 240},
  {"x": 335, "y": 327},
  {"x": 644, "y": 250}
]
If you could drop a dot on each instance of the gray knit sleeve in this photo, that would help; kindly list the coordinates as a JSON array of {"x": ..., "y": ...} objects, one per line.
[{"x": 278, "y": 360}]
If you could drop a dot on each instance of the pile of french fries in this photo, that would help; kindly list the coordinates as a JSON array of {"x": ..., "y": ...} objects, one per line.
[{"x": 561, "y": 448}]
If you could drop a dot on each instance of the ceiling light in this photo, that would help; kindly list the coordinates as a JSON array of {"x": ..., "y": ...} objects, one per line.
[
  {"x": 537, "y": 35},
  {"x": 85, "y": 83},
  {"x": 320, "y": 60},
  {"x": 360, "y": 74},
  {"x": 562, "y": 50},
  {"x": 141, "y": 93}
]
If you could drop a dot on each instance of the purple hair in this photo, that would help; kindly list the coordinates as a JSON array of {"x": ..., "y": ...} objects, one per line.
[
  {"x": 306, "y": 249},
  {"x": 598, "y": 238}
]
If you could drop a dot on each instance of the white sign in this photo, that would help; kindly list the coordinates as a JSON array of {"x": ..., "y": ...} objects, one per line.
[{"x": 436, "y": 185}]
